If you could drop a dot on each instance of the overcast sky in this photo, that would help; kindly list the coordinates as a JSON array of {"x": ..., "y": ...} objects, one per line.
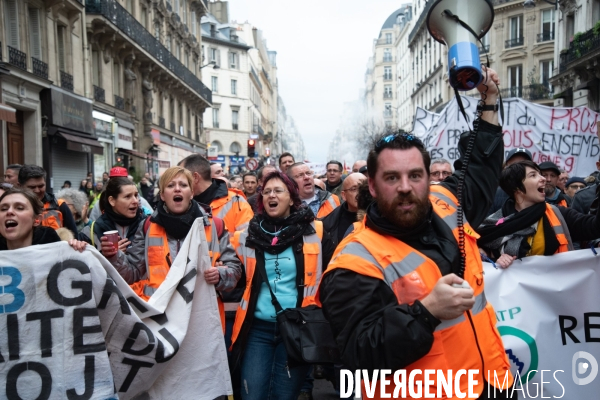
[{"x": 322, "y": 51}]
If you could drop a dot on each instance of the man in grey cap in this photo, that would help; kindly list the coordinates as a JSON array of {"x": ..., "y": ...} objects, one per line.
[
  {"x": 574, "y": 185},
  {"x": 513, "y": 156},
  {"x": 554, "y": 196}
]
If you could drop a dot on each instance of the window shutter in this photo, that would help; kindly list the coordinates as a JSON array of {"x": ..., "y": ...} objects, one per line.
[
  {"x": 12, "y": 22},
  {"x": 218, "y": 60},
  {"x": 34, "y": 32},
  {"x": 95, "y": 69}
]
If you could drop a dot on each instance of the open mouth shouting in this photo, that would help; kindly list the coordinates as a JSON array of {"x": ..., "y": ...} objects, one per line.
[
  {"x": 10, "y": 225},
  {"x": 178, "y": 199}
]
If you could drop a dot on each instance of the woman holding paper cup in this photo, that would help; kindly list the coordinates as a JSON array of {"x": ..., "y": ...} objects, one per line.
[
  {"x": 528, "y": 226},
  {"x": 283, "y": 237},
  {"x": 158, "y": 239},
  {"x": 121, "y": 216},
  {"x": 20, "y": 222}
]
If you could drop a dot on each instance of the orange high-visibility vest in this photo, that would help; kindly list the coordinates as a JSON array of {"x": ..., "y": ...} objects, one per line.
[
  {"x": 412, "y": 276},
  {"x": 561, "y": 230},
  {"x": 159, "y": 261},
  {"x": 330, "y": 204},
  {"x": 52, "y": 217},
  {"x": 313, "y": 269},
  {"x": 234, "y": 210}
]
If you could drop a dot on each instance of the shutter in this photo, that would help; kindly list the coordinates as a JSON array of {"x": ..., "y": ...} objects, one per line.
[
  {"x": 95, "y": 69},
  {"x": 34, "y": 32},
  {"x": 60, "y": 33},
  {"x": 218, "y": 60},
  {"x": 12, "y": 22},
  {"x": 67, "y": 165}
]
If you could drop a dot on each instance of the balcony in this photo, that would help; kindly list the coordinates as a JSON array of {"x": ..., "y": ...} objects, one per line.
[
  {"x": 99, "y": 94},
  {"x": 39, "y": 67},
  {"x": 515, "y": 42},
  {"x": 161, "y": 122},
  {"x": 17, "y": 58},
  {"x": 484, "y": 49},
  {"x": 66, "y": 81},
  {"x": 388, "y": 96},
  {"x": 119, "y": 102},
  {"x": 235, "y": 127},
  {"x": 582, "y": 45},
  {"x": 255, "y": 76},
  {"x": 537, "y": 91},
  {"x": 545, "y": 37},
  {"x": 388, "y": 77},
  {"x": 128, "y": 25}
]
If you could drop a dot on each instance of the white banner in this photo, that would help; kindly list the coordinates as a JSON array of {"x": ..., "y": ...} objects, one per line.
[
  {"x": 71, "y": 328},
  {"x": 565, "y": 136},
  {"x": 548, "y": 311}
]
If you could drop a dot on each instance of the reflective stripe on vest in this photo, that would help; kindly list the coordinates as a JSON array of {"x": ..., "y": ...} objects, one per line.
[
  {"x": 561, "y": 230},
  {"x": 313, "y": 270},
  {"x": 52, "y": 217}
]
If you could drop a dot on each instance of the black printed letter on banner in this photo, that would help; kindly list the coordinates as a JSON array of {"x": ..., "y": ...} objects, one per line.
[
  {"x": 135, "y": 367},
  {"x": 45, "y": 318},
  {"x": 13, "y": 376},
  {"x": 80, "y": 329},
  {"x": 109, "y": 288},
  {"x": 135, "y": 333},
  {"x": 88, "y": 378},
  {"x": 85, "y": 286},
  {"x": 187, "y": 296}
]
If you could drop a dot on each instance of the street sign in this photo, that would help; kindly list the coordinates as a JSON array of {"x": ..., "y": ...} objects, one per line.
[
  {"x": 213, "y": 152},
  {"x": 252, "y": 164}
]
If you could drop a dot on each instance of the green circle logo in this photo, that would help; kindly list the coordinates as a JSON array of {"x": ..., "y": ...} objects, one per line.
[{"x": 533, "y": 351}]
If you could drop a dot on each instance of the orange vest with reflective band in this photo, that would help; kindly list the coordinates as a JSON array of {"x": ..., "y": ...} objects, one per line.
[
  {"x": 560, "y": 228},
  {"x": 158, "y": 261},
  {"x": 313, "y": 269},
  {"x": 330, "y": 204},
  {"x": 52, "y": 217},
  {"x": 234, "y": 210},
  {"x": 412, "y": 276}
]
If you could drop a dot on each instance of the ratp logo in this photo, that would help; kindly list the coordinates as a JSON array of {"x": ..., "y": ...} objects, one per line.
[
  {"x": 580, "y": 368},
  {"x": 522, "y": 352}
]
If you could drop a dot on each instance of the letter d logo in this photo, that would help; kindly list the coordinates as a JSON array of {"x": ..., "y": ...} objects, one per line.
[{"x": 582, "y": 367}]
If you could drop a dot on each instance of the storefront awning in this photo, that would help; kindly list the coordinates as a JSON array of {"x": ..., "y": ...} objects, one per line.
[
  {"x": 125, "y": 124},
  {"x": 7, "y": 113},
  {"x": 132, "y": 153},
  {"x": 85, "y": 145}
]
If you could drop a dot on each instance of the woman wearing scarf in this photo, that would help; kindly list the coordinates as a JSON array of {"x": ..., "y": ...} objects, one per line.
[
  {"x": 172, "y": 220},
  {"x": 121, "y": 212},
  {"x": 526, "y": 225},
  {"x": 285, "y": 240}
]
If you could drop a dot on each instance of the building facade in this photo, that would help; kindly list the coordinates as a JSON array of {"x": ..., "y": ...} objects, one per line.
[
  {"x": 577, "y": 54},
  {"x": 101, "y": 83},
  {"x": 404, "y": 77}
]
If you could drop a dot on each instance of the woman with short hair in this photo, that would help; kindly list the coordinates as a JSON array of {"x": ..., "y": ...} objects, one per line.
[
  {"x": 528, "y": 226},
  {"x": 78, "y": 204}
]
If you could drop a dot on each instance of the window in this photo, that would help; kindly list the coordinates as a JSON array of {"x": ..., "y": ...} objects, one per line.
[
  {"x": 12, "y": 23},
  {"x": 95, "y": 68},
  {"x": 516, "y": 31},
  {"x": 143, "y": 16},
  {"x": 168, "y": 43},
  {"x": 129, "y": 6},
  {"x": 515, "y": 80},
  {"x": 214, "y": 84},
  {"x": 233, "y": 60},
  {"x": 548, "y": 20},
  {"x": 388, "y": 110},
  {"x": 193, "y": 23},
  {"x": 172, "y": 113},
  {"x": 215, "y": 56},
  {"x": 388, "y": 38},
  {"x": 234, "y": 87},
  {"x": 387, "y": 55},
  {"x": 181, "y": 130},
  {"x": 546, "y": 68},
  {"x": 189, "y": 122},
  {"x": 34, "y": 33},
  {"x": 215, "y": 117},
  {"x": 117, "y": 79},
  {"x": 387, "y": 92},
  {"x": 187, "y": 60},
  {"x": 178, "y": 51},
  {"x": 157, "y": 31},
  {"x": 184, "y": 11},
  {"x": 387, "y": 73},
  {"x": 60, "y": 47},
  {"x": 234, "y": 119}
]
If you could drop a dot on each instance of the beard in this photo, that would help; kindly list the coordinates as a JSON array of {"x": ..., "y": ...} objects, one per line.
[
  {"x": 549, "y": 190},
  {"x": 407, "y": 219}
]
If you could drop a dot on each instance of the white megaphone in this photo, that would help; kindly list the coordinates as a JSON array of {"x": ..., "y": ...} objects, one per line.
[{"x": 446, "y": 23}]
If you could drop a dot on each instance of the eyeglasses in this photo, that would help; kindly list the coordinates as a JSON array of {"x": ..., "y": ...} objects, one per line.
[
  {"x": 277, "y": 191},
  {"x": 441, "y": 173},
  {"x": 351, "y": 190},
  {"x": 398, "y": 137},
  {"x": 308, "y": 174},
  {"x": 578, "y": 187}
]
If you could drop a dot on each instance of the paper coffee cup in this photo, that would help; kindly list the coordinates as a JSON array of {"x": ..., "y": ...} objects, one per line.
[{"x": 113, "y": 237}]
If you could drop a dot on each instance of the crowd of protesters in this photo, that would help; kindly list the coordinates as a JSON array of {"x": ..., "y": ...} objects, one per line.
[{"x": 344, "y": 233}]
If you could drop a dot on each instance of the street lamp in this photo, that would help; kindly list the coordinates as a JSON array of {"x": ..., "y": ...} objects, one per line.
[
  {"x": 531, "y": 3},
  {"x": 213, "y": 63}
]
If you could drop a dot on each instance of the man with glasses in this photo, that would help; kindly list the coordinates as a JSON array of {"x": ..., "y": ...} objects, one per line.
[
  {"x": 333, "y": 184},
  {"x": 321, "y": 202},
  {"x": 398, "y": 293},
  {"x": 440, "y": 169},
  {"x": 574, "y": 185}
]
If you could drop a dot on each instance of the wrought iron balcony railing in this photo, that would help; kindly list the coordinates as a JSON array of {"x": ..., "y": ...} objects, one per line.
[
  {"x": 17, "y": 58},
  {"x": 484, "y": 49},
  {"x": 40, "y": 68},
  {"x": 119, "y": 102},
  {"x": 126, "y": 23},
  {"x": 545, "y": 36},
  {"x": 515, "y": 42},
  {"x": 537, "y": 91},
  {"x": 66, "y": 81},
  {"x": 99, "y": 94},
  {"x": 581, "y": 45},
  {"x": 388, "y": 95}
]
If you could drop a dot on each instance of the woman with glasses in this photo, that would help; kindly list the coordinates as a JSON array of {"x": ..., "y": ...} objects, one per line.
[
  {"x": 285, "y": 240},
  {"x": 526, "y": 225}
]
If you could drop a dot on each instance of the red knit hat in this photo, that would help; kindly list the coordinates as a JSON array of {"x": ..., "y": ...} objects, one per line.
[{"x": 118, "y": 171}]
